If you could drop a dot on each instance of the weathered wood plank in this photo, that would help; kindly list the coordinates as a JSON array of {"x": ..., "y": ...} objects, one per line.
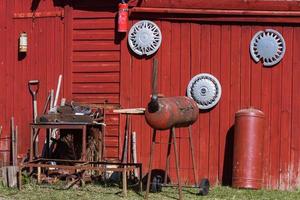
[{"x": 110, "y": 77}]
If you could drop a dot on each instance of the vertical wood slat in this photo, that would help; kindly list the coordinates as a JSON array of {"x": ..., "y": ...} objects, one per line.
[
  {"x": 266, "y": 108},
  {"x": 246, "y": 37},
  {"x": 275, "y": 122},
  {"x": 215, "y": 113},
  {"x": 286, "y": 109},
  {"x": 204, "y": 116},
  {"x": 4, "y": 100},
  {"x": 175, "y": 32},
  {"x": 195, "y": 69},
  {"x": 226, "y": 134},
  {"x": 185, "y": 62},
  {"x": 166, "y": 77},
  {"x": 295, "y": 137}
]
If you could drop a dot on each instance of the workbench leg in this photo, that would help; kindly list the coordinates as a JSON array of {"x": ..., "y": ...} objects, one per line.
[
  {"x": 177, "y": 163},
  {"x": 39, "y": 175},
  {"x": 84, "y": 129},
  {"x": 141, "y": 177},
  {"x": 103, "y": 156},
  {"x": 20, "y": 178},
  {"x": 168, "y": 157},
  {"x": 150, "y": 163},
  {"x": 193, "y": 155},
  {"x": 124, "y": 182},
  {"x": 47, "y": 144}
]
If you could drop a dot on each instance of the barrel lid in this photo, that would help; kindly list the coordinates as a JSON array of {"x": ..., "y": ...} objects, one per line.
[{"x": 250, "y": 111}]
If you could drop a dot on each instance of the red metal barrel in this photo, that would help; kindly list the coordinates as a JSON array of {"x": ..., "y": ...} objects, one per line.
[
  {"x": 248, "y": 149},
  {"x": 173, "y": 112}
]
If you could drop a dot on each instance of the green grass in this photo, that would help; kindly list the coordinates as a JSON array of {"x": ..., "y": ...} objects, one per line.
[{"x": 33, "y": 191}]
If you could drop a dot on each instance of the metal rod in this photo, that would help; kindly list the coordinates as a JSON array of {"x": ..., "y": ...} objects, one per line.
[
  {"x": 177, "y": 163},
  {"x": 154, "y": 77},
  {"x": 70, "y": 167},
  {"x": 84, "y": 162},
  {"x": 125, "y": 145},
  {"x": 46, "y": 103},
  {"x": 32, "y": 130},
  {"x": 168, "y": 157},
  {"x": 193, "y": 155},
  {"x": 103, "y": 135},
  {"x": 214, "y": 12},
  {"x": 150, "y": 163}
]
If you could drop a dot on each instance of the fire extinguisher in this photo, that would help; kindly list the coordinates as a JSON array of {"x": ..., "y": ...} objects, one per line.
[{"x": 123, "y": 17}]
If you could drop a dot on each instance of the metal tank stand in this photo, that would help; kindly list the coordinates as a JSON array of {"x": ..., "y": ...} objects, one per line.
[{"x": 172, "y": 140}]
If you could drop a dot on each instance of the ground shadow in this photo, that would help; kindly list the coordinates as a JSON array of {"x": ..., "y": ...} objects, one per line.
[{"x": 228, "y": 158}]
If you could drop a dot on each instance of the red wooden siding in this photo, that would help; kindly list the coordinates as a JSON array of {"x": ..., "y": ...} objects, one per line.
[
  {"x": 221, "y": 4},
  {"x": 4, "y": 106},
  {"x": 223, "y": 50},
  {"x": 81, "y": 43},
  {"x": 96, "y": 67},
  {"x": 43, "y": 61}
]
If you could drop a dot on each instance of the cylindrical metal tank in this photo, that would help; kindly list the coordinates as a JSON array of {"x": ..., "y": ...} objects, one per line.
[
  {"x": 165, "y": 113},
  {"x": 249, "y": 131}
]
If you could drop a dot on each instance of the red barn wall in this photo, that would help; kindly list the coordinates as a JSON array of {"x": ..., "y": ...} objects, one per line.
[
  {"x": 43, "y": 61},
  {"x": 80, "y": 42},
  {"x": 221, "y": 49}
]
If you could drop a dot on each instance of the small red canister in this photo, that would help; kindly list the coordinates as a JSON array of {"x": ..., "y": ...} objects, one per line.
[
  {"x": 249, "y": 131},
  {"x": 123, "y": 17}
]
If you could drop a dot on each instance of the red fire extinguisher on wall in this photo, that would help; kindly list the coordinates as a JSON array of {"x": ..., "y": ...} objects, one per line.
[{"x": 123, "y": 17}]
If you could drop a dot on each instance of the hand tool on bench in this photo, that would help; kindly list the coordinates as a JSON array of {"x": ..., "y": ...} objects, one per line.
[{"x": 33, "y": 86}]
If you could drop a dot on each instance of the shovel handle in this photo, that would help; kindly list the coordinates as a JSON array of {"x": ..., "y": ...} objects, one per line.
[{"x": 31, "y": 83}]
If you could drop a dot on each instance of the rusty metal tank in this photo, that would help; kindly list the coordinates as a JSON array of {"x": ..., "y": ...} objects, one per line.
[
  {"x": 167, "y": 112},
  {"x": 248, "y": 149}
]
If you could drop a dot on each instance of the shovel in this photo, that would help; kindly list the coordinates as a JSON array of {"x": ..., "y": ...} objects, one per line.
[{"x": 33, "y": 86}]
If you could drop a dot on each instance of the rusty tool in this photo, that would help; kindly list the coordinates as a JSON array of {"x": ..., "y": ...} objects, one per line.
[{"x": 33, "y": 86}]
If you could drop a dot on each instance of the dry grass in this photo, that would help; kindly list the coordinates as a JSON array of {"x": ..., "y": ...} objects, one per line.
[{"x": 33, "y": 191}]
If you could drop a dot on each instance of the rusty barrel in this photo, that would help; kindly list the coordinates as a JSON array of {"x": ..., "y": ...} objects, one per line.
[
  {"x": 178, "y": 111},
  {"x": 248, "y": 149}
]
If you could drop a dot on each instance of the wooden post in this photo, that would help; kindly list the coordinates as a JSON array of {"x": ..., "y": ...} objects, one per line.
[
  {"x": 124, "y": 176},
  {"x": 9, "y": 174},
  {"x": 13, "y": 141},
  {"x": 150, "y": 163},
  {"x": 168, "y": 157},
  {"x": 134, "y": 154},
  {"x": 39, "y": 175},
  {"x": 177, "y": 163}
]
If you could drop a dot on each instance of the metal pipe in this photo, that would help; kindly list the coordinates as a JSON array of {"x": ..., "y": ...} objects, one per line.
[{"x": 214, "y": 12}]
